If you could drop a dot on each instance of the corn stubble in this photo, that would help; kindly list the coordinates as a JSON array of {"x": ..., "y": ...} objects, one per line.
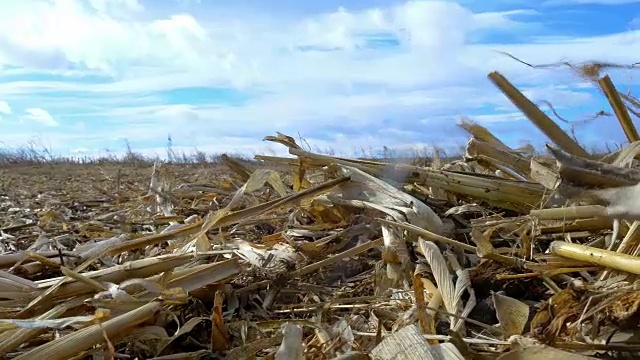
[{"x": 504, "y": 254}]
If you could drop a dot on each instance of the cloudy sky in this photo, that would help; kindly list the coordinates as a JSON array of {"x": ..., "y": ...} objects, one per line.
[{"x": 219, "y": 75}]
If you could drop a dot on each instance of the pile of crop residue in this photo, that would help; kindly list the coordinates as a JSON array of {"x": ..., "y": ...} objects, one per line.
[{"x": 501, "y": 255}]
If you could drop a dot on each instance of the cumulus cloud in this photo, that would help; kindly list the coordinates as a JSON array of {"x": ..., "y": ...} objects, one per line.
[
  {"x": 70, "y": 34},
  {"x": 40, "y": 116},
  {"x": 244, "y": 52},
  {"x": 126, "y": 69},
  {"x": 108, "y": 6},
  {"x": 5, "y": 108}
]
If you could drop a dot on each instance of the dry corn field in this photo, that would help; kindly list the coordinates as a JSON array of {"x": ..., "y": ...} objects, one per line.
[{"x": 499, "y": 255}]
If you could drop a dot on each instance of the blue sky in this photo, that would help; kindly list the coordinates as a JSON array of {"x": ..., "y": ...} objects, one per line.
[{"x": 83, "y": 75}]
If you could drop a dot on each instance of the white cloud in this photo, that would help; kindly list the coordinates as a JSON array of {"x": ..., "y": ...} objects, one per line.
[
  {"x": 80, "y": 151},
  {"x": 56, "y": 34},
  {"x": 5, "y": 108},
  {"x": 494, "y": 118},
  {"x": 39, "y": 116},
  {"x": 238, "y": 52},
  {"x": 107, "y": 6}
]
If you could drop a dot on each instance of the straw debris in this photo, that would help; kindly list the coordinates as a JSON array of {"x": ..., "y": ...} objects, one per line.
[{"x": 503, "y": 254}]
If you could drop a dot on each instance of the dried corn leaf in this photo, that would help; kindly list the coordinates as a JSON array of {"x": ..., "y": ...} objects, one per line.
[
  {"x": 408, "y": 344},
  {"x": 512, "y": 314},
  {"x": 291, "y": 346},
  {"x": 542, "y": 352}
]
